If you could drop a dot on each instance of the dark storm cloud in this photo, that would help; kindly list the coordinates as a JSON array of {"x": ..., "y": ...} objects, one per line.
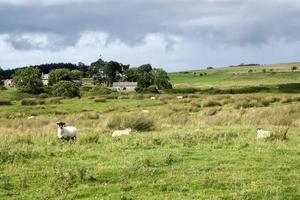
[{"x": 214, "y": 22}]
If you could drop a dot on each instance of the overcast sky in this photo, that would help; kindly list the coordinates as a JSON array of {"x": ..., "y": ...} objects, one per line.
[{"x": 172, "y": 34}]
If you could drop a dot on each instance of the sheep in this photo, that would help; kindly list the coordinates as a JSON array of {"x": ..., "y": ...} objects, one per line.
[
  {"x": 260, "y": 133},
  {"x": 145, "y": 111},
  {"x": 66, "y": 132},
  {"x": 30, "y": 117},
  {"x": 179, "y": 97},
  {"x": 152, "y": 98},
  {"x": 119, "y": 133}
]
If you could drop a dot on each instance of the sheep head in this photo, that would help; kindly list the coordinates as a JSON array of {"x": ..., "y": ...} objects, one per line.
[{"x": 61, "y": 124}]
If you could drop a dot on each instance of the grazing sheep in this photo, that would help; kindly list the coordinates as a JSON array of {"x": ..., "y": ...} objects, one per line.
[
  {"x": 260, "y": 133},
  {"x": 66, "y": 132},
  {"x": 145, "y": 111},
  {"x": 152, "y": 98},
  {"x": 30, "y": 117},
  {"x": 179, "y": 97},
  {"x": 119, "y": 133}
]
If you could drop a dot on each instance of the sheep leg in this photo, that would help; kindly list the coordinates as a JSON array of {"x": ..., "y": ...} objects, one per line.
[
  {"x": 62, "y": 140},
  {"x": 74, "y": 138}
]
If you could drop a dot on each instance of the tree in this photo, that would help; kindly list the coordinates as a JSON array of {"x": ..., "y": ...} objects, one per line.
[
  {"x": 60, "y": 75},
  {"x": 76, "y": 74},
  {"x": 160, "y": 78},
  {"x": 294, "y": 68},
  {"x": 65, "y": 89},
  {"x": 130, "y": 75},
  {"x": 96, "y": 70},
  {"x": 1, "y": 77},
  {"x": 28, "y": 80},
  {"x": 144, "y": 77},
  {"x": 107, "y": 72}
]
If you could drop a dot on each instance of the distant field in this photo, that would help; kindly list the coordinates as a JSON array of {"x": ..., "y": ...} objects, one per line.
[{"x": 233, "y": 77}]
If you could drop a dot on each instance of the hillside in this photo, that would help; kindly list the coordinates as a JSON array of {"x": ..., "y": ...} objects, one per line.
[{"x": 234, "y": 77}]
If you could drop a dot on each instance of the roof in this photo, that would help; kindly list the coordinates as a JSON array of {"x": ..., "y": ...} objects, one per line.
[
  {"x": 45, "y": 76},
  {"x": 124, "y": 84}
]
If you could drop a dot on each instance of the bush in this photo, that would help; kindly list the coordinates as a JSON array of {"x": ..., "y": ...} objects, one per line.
[
  {"x": 100, "y": 91},
  {"x": 5, "y": 102},
  {"x": 136, "y": 122},
  {"x": 65, "y": 89},
  {"x": 43, "y": 95},
  {"x": 32, "y": 102},
  {"x": 150, "y": 89},
  {"x": 100, "y": 100},
  {"x": 211, "y": 103},
  {"x": 55, "y": 100},
  {"x": 211, "y": 112}
]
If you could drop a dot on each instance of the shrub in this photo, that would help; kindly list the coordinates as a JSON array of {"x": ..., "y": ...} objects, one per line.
[
  {"x": 65, "y": 89},
  {"x": 43, "y": 95},
  {"x": 136, "y": 122},
  {"x": 100, "y": 100},
  {"x": 55, "y": 100},
  {"x": 150, "y": 89},
  {"x": 112, "y": 96},
  {"x": 211, "y": 112},
  {"x": 60, "y": 112},
  {"x": 211, "y": 103},
  {"x": 5, "y": 102},
  {"x": 32, "y": 102},
  {"x": 92, "y": 116},
  {"x": 100, "y": 91}
]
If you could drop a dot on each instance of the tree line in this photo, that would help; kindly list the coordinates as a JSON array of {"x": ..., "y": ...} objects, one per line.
[{"x": 64, "y": 78}]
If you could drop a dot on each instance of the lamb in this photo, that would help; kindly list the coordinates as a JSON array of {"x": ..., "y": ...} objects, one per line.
[
  {"x": 152, "y": 98},
  {"x": 260, "y": 133},
  {"x": 119, "y": 133},
  {"x": 179, "y": 97},
  {"x": 145, "y": 111},
  {"x": 66, "y": 132}
]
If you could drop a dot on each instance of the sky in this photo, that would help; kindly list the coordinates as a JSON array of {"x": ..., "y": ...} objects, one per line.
[{"x": 175, "y": 35}]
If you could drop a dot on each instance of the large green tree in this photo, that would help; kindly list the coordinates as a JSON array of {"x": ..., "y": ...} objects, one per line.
[
  {"x": 144, "y": 76},
  {"x": 60, "y": 75},
  {"x": 28, "y": 80},
  {"x": 160, "y": 78},
  {"x": 65, "y": 89},
  {"x": 107, "y": 72}
]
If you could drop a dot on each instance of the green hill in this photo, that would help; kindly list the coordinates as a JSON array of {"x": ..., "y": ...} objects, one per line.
[{"x": 236, "y": 77}]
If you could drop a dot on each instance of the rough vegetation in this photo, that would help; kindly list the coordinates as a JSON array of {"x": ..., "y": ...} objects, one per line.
[{"x": 202, "y": 146}]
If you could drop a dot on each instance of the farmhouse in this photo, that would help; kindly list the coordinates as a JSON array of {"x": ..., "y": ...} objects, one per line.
[
  {"x": 128, "y": 86},
  {"x": 45, "y": 79},
  {"x": 8, "y": 83}
]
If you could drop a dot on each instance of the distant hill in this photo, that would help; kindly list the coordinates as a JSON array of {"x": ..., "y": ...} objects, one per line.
[{"x": 238, "y": 76}]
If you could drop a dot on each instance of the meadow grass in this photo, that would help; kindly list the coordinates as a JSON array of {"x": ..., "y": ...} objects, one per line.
[
  {"x": 208, "y": 153},
  {"x": 203, "y": 146}
]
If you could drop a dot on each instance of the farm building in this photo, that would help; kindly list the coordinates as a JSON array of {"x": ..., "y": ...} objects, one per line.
[
  {"x": 128, "y": 86},
  {"x": 45, "y": 79},
  {"x": 8, "y": 83}
]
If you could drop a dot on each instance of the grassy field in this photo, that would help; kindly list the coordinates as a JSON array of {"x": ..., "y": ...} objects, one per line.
[
  {"x": 232, "y": 77},
  {"x": 198, "y": 147}
]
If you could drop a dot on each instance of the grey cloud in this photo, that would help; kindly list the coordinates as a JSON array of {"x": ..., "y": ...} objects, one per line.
[{"x": 213, "y": 22}]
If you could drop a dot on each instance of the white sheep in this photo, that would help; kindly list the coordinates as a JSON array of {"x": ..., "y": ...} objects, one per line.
[
  {"x": 119, "y": 133},
  {"x": 152, "y": 98},
  {"x": 30, "y": 117},
  {"x": 145, "y": 111},
  {"x": 179, "y": 97},
  {"x": 66, "y": 132},
  {"x": 260, "y": 133}
]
